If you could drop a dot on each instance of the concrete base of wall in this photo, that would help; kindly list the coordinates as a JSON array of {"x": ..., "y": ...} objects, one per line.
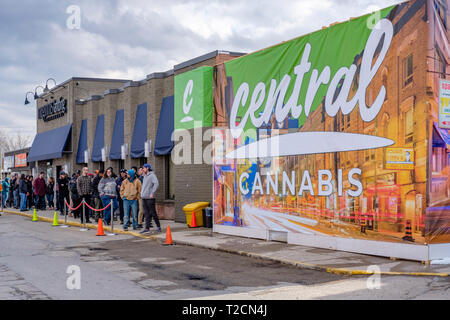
[
  {"x": 418, "y": 252},
  {"x": 165, "y": 211}
]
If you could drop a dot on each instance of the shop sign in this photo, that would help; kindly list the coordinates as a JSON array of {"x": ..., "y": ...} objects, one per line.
[
  {"x": 444, "y": 107},
  {"x": 20, "y": 160},
  {"x": 399, "y": 158},
  {"x": 53, "y": 110},
  {"x": 194, "y": 99},
  {"x": 8, "y": 163}
]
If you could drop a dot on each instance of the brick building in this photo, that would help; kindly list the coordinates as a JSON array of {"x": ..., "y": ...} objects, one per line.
[{"x": 101, "y": 123}]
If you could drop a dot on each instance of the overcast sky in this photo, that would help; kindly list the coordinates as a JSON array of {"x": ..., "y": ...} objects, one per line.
[{"x": 129, "y": 39}]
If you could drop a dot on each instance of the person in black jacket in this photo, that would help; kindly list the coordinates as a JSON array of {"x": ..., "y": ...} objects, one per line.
[
  {"x": 15, "y": 188},
  {"x": 50, "y": 193},
  {"x": 76, "y": 199},
  {"x": 119, "y": 180},
  {"x": 23, "y": 190},
  {"x": 11, "y": 198},
  {"x": 95, "y": 195},
  {"x": 63, "y": 192},
  {"x": 30, "y": 195}
]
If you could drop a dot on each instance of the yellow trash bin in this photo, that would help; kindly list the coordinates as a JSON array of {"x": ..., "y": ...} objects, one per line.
[{"x": 197, "y": 209}]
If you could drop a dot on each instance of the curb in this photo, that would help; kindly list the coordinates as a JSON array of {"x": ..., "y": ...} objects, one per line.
[
  {"x": 339, "y": 271},
  {"x": 76, "y": 224}
]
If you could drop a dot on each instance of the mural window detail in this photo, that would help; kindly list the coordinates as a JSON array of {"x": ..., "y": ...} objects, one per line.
[
  {"x": 441, "y": 9},
  {"x": 407, "y": 70},
  {"x": 409, "y": 125}
]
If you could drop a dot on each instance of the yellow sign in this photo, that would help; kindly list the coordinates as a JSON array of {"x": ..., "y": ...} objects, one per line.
[{"x": 399, "y": 158}]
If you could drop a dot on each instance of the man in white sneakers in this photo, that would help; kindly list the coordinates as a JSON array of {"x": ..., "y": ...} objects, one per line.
[{"x": 149, "y": 187}]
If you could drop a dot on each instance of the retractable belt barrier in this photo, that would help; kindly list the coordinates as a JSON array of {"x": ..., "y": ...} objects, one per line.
[{"x": 93, "y": 209}]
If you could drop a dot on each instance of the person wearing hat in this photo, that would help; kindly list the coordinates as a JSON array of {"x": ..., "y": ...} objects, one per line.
[
  {"x": 130, "y": 191},
  {"x": 84, "y": 188},
  {"x": 122, "y": 176},
  {"x": 149, "y": 188},
  {"x": 5, "y": 191}
]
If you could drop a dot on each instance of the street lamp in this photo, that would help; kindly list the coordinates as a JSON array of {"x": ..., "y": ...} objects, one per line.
[
  {"x": 26, "y": 99},
  {"x": 46, "y": 84},
  {"x": 35, "y": 92}
]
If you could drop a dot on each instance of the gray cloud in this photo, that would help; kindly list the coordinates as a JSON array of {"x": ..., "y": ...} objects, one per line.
[{"x": 132, "y": 38}]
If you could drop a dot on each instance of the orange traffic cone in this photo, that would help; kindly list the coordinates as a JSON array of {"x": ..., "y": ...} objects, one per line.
[
  {"x": 193, "y": 220},
  {"x": 168, "y": 237},
  {"x": 100, "y": 228}
]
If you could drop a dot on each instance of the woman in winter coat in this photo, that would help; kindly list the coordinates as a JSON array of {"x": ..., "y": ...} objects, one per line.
[
  {"x": 50, "y": 193},
  {"x": 107, "y": 192},
  {"x": 30, "y": 194}
]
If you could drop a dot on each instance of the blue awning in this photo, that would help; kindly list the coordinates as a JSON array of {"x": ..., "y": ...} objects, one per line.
[
  {"x": 99, "y": 139},
  {"x": 139, "y": 133},
  {"x": 50, "y": 144},
  {"x": 164, "y": 141},
  {"x": 441, "y": 137},
  {"x": 118, "y": 136},
  {"x": 82, "y": 142}
]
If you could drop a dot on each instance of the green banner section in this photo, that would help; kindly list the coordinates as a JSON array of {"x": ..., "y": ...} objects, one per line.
[
  {"x": 194, "y": 99},
  {"x": 272, "y": 72}
]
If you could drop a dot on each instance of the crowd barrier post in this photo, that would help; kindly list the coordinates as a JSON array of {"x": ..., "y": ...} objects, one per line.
[
  {"x": 112, "y": 219},
  {"x": 84, "y": 216}
]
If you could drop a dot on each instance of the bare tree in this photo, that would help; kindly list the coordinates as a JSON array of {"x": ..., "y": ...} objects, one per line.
[{"x": 13, "y": 142}]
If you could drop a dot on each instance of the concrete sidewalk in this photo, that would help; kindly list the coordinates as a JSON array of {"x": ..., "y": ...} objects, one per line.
[{"x": 306, "y": 257}]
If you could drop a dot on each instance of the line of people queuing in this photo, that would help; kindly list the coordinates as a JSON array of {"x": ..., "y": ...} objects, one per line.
[
  {"x": 26, "y": 193},
  {"x": 131, "y": 193}
]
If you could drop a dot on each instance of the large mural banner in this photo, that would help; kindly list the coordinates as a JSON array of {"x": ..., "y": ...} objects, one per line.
[{"x": 329, "y": 133}]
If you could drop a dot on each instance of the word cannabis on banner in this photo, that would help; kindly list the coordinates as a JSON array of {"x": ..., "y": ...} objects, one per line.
[{"x": 194, "y": 99}]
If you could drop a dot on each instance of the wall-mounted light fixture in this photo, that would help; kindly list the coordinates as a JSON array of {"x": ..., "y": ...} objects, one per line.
[
  {"x": 36, "y": 96},
  {"x": 104, "y": 153},
  {"x": 86, "y": 156},
  {"x": 124, "y": 151},
  {"x": 46, "y": 84},
  {"x": 148, "y": 148},
  {"x": 26, "y": 99}
]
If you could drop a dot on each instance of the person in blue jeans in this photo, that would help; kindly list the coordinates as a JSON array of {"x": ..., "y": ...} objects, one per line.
[
  {"x": 107, "y": 192},
  {"x": 23, "y": 190},
  {"x": 5, "y": 191},
  {"x": 130, "y": 191},
  {"x": 50, "y": 193}
]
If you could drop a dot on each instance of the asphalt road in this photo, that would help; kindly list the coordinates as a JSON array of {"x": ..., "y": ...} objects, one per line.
[{"x": 37, "y": 261}]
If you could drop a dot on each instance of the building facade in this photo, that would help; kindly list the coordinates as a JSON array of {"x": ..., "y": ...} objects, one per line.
[{"x": 101, "y": 123}]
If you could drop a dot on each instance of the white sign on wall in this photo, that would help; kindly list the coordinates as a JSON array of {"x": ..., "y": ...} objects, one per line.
[
  {"x": 444, "y": 106},
  {"x": 8, "y": 163}
]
